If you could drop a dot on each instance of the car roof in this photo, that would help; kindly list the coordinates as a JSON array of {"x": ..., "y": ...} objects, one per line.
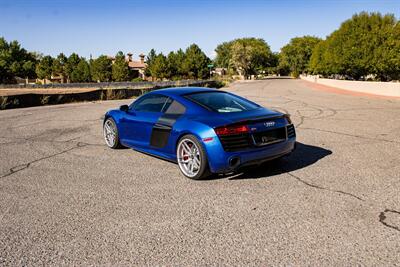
[{"x": 183, "y": 90}]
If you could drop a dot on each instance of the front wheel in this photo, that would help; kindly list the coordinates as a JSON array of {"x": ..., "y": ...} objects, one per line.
[
  {"x": 192, "y": 158},
  {"x": 110, "y": 132}
]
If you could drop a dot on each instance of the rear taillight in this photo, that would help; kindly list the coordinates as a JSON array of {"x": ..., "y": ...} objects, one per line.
[{"x": 229, "y": 130}]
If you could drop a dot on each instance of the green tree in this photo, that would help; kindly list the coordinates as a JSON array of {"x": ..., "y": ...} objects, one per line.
[
  {"x": 120, "y": 68},
  {"x": 71, "y": 64},
  {"x": 366, "y": 44},
  {"x": 15, "y": 62},
  {"x": 149, "y": 61},
  {"x": 175, "y": 62},
  {"x": 28, "y": 69},
  {"x": 318, "y": 64},
  {"x": 44, "y": 68},
  {"x": 171, "y": 70},
  {"x": 389, "y": 66},
  {"x": 223, "y": 55},
  {"x": 273, "y": 67},
  {"x": 102, "y": 69},
  {"x": 251, "y": 55},
  {"x": 195, "y": 63},
  {"x": 245, "y": 56},
  {"x": 59, "y": 65},
  {"x": 179, "y": 61},
  {"x": 176, "y": 67},
  {"x": 241, "y": 57},
  {"x": 159, "y": 67},
  {"x": 296, "y": 55},
  {"x": 81, "y": 73}
]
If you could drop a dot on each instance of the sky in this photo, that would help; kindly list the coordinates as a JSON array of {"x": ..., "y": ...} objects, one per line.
[{"x": 95, "y": 27}]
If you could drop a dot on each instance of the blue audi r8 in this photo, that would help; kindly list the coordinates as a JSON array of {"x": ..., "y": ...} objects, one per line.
[{"x": 204, "y": 130}]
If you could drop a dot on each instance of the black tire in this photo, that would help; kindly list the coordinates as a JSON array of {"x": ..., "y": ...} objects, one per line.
[
  {"x": 117, "y": 144},
  {"x": 204, "y": 170}
]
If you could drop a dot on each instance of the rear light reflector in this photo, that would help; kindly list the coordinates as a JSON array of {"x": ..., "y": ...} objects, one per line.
[{"x": 230, "y": 130}]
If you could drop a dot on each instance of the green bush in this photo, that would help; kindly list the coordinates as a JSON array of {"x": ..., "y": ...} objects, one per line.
[{"x": 137, "y": 79}]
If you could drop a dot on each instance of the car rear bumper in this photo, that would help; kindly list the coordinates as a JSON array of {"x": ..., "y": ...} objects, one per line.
[{"x": 221, "y": 161}]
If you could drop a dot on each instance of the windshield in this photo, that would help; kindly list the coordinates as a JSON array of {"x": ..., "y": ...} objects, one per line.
[{"x": 222, "y": 102}]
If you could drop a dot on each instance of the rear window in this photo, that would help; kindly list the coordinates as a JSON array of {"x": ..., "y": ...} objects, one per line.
[{"x": 221, "y": 102}]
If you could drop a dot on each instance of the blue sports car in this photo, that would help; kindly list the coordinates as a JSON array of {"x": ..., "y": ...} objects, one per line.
[{"x": 204, "y": 130}]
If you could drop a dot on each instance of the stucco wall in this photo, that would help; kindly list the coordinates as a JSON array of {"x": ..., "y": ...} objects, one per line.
[{"x": 376, "y": 88}]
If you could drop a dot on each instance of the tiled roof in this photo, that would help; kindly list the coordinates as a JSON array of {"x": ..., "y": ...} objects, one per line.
[{"x": 136, "y": 64}]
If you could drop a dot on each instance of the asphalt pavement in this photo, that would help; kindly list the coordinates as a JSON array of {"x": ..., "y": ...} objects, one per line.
[{"x": 67, "y": 199}]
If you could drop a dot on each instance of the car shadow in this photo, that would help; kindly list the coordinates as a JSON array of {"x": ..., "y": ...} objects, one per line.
[{"x": 303, "y": 156}]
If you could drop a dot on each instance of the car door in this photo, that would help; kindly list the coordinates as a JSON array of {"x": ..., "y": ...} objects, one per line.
[{"x": 139, "y": 120}]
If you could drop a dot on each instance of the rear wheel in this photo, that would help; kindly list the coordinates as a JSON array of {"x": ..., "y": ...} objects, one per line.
[
  {"x": 110, "y": 132},
  {"x": 192, "y": 159}
]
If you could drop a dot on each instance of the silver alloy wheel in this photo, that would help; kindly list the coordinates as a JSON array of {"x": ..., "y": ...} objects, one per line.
[
  {"x": 110, "y": 133},
  {"x": 188, "y": 156}
]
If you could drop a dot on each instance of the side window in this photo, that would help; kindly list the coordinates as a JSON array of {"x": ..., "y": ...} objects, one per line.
[
  {"x": 151, "y": 103},
  {"x": 167, "y": 104},
  {"x": 175, "y": 108}
]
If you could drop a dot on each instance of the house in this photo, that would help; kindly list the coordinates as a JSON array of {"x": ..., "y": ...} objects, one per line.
[
  {"x": 220, "y": 71},
  {"x": 22, "y": 81},
  {"x": 137, "y": 67},
  {"x": 53, "y": 79}
]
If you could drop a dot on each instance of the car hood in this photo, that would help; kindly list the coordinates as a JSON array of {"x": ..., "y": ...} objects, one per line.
[{"x": 214, "y": 119}]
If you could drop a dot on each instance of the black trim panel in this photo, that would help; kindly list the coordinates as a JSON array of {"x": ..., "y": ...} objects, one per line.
[
  {"x": 162, "y": 130},
  {"x": 160, "y": 135}
]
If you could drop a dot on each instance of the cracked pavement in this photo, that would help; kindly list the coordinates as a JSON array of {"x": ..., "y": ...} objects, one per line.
[{"x": 66, "y": 199}]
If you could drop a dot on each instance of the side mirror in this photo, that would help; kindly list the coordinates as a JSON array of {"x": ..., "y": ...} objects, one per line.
[{"x": 124, "y": 108}]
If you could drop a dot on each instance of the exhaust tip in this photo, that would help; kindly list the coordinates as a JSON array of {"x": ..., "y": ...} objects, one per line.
[{"x": 234, "y": 162}]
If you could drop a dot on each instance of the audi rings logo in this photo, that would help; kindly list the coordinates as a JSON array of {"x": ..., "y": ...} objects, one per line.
[{"x": 269, "y": 123}]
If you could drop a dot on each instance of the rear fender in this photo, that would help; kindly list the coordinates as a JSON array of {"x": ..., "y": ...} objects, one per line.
[{"x": 197, "y": 129}]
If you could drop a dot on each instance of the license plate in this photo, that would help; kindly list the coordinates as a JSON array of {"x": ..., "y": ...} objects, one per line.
[{"x": 268, "y": 137}]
